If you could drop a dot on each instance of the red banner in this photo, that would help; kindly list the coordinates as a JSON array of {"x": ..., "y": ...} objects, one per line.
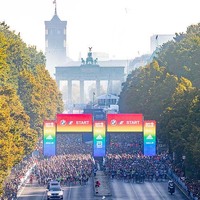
[
  {"x": 124, "y": 122},
  {"x": 74, "y": 122}
]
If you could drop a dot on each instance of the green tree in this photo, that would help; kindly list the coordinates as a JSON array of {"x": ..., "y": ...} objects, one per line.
[
  {"x": 28, "y": 95},
  {"x": 182, "y": 57}
]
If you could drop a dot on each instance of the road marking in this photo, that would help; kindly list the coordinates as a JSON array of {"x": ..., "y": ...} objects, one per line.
[
  {"x": 69, "y": 193},
  {"x": 21, "y": 190},
  {"x": 135, "y": 193},
  {"x": 44, "y": 195},
  {"x": 158, "y": 191}
]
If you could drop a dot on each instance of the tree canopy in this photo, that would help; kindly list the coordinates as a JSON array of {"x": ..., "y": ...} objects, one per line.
[
  {"x": 28, "y": 95},
  {"x": 168, "y": 90}
]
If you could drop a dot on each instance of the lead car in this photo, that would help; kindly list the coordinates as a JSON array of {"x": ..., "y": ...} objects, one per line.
[{"x": 54, "y": 191}]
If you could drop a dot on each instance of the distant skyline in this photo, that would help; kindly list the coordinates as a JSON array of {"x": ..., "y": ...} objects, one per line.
[{"x": 121, "y": 28}]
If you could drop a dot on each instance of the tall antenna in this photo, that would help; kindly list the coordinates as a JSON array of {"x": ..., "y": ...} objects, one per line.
[{"x": 54, "y": 2}]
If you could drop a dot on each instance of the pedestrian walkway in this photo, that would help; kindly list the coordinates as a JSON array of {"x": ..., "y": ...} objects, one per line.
[{"x": 104, "y": 190}]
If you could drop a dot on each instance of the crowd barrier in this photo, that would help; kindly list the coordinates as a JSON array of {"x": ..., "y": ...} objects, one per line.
[
  {"x": 24, "y": 179},
  {"x": 181, "y": 185}
]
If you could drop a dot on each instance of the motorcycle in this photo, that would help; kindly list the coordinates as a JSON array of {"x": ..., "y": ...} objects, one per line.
[{"x": 171, "y": 187}]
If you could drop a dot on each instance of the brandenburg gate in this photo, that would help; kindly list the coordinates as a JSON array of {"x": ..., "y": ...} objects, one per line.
[{"x": 89, "y": 70}]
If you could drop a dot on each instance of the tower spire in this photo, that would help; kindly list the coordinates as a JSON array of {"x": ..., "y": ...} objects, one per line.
[{"x": 54, "y": 2}]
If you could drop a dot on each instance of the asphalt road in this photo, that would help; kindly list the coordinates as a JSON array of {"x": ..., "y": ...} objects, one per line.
[
  {"x": 74, "y": 192},
  {"x": 120, "y": 191},
  {"x": 143, "y": 191}
]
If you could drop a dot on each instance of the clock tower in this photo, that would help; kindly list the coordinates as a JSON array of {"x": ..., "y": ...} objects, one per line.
[{"x": 55, "y": 43}]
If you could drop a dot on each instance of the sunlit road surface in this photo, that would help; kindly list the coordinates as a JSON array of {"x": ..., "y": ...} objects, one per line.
[
  {"x": 143, "y": 191},
  {"x": 120, "y": 191},
  {"x": 75, "y": 192}
]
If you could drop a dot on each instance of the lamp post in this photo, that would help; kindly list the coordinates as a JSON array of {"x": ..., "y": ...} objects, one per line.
[
  {"x": 183, "y": 164},
  {"x": 93, "y": 94}
]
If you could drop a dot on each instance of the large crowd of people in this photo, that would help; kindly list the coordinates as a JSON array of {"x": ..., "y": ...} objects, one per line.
[
  {"x": 190, "y": 185},
  {"x": 72, "y": 144},
  {"x": 136, "y": 167},
  {"x": 16, "y": 178},
  {"x": 130, "y": 143},
  {"x": 68, "y": 169},
  {"x": 124, "y": 160},
  {"x": 74, "y": 164},
  {"x": 193, "y": 187}
]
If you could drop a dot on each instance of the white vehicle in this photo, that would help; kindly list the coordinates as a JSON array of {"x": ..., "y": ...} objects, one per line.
[
  {"x": 55, "y": 192},
  {"x": 53, "y": 184},
  {"x": 114, "y": 108}
]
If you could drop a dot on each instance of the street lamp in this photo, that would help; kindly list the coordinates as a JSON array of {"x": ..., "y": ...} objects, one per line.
[
  {"x": 183, "y": 164},
  {"x": 93, "y": 99}
]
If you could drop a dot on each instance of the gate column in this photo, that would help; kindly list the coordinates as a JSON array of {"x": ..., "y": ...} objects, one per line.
[
  {"x": 98, "y": 87},
  {"x": 69, "y": 92},
  {"x": 82, "y": 91}
]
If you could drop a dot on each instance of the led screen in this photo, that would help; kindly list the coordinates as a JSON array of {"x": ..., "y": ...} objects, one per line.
[
  {"x": 99, "y": 134},
  {"x": 49, "y": 138},
  {"x": 150, "y": 138},
  {"x": 124, "y": 122}
]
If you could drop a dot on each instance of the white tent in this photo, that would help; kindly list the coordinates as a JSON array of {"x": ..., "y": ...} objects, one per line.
[{"x": 108, "y": 96}]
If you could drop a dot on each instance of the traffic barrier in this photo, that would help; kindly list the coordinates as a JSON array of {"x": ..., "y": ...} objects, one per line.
[
  {"x": 181, "y": 185},
  {"x": 24, "y": 179}
]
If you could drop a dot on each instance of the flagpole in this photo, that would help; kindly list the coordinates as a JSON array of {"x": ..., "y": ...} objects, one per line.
[
  {"x": 54, "y": 2},
  {"x": 93, "y": 100}
]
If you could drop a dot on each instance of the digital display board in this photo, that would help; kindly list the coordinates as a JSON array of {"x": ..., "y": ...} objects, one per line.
[
  {"x": 150, "y": 138},
  {"x": 74, "y": 122},
  {"x": 49, "y": 138},
  {"x": 124, "y": 122},
  {"x": 99, "y": 138}
]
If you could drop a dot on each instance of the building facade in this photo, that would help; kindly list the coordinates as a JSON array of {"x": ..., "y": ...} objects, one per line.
[
  {"x": 55, "y": 43},
  {"x": 88, "y": 70}
]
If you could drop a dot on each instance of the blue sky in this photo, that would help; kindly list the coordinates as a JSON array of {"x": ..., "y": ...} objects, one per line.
[{"x": 121, "y": 28}]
